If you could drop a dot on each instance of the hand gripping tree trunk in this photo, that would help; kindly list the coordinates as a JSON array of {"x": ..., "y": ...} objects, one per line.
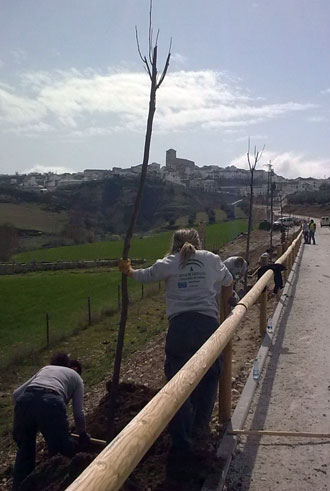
[
  {"x": 150, "y": 66},
  {"x": 252, "y": 167}
]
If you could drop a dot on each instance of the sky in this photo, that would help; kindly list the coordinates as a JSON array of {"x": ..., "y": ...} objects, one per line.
[{"x": 74, "y": 93}]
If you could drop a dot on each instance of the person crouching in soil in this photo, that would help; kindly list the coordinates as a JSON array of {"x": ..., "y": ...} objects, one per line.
[
  {"x": 193, "y": 279},
  {"x": 40, "y": 406}
]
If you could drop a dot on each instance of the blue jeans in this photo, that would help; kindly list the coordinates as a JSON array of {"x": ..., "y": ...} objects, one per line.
[
  {"x": 39, "y": 411},
  {"x": 186, "y": 334}
]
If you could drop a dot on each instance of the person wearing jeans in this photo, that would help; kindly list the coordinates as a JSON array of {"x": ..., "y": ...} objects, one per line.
[
  {"x": 187, "y": 332},
  {"x": 40, "y": 405},
  {"x": 193, "y": 279}
]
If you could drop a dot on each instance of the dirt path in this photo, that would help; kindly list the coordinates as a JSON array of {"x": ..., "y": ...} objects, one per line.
[{"x": 294, "y": 391}]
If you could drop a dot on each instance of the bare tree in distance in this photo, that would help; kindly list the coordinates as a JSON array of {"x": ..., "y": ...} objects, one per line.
[
  {"x": 252, "y": 167},
  {"x": 156, "y": 79}
]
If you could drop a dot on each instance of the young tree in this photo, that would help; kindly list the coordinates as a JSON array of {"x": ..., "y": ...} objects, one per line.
[
  {"x": 252, "y": 166},
  {"x": 150, "y": 66}
]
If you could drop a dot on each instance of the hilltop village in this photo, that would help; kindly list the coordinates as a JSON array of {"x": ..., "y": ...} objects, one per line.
[{"x": 179, "y": 171}]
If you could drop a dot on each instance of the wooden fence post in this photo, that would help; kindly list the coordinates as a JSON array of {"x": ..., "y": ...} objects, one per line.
[
  {"x": 47, "y": 329},
  {"x": 89, "y": 311},
  {"x": 118, "y": 295},
  {"x": 279, "y": 251},
  {"x": 286, "y": 272},
  {"x": 142, "y": 292},
  {"x": 226, "y": 372},
  {"x": 263, "y": 261},
  {"x": 263, "y": 312}
]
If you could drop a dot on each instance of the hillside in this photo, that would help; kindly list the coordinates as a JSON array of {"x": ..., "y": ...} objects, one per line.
[{"x": 97, "y": 210}]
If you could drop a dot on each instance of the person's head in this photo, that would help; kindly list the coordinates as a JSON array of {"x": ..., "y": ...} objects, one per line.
[
  {"x": 60, "y": 359},
  {"x": 76, "y": 366},
  {"x": 186, "y": 242},
  {"x": 239, "y": 262}
]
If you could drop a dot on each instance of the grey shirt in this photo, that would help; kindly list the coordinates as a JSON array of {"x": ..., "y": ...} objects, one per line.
[
  {"x": 238, "y": 271},
  {"x": 196, "y": 287},
  {"x": 66, "y": 382}
]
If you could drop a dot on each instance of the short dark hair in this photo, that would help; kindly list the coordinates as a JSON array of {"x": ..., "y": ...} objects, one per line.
[
  {"x": 60, "y": 359},
  {"x": 75, "y": 365}
]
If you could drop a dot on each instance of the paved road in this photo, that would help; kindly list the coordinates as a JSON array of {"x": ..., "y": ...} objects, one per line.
[{"x": 294, "y": 389}]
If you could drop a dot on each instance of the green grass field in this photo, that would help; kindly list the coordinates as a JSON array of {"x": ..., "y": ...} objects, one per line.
[
  {"x": 25, "y": 299},
  {"x": 219, "y": 234},
  {"x": 149, "y": 248}
]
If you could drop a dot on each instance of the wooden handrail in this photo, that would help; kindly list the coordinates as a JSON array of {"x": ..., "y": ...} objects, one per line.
[{"x": 113, "y": 465}]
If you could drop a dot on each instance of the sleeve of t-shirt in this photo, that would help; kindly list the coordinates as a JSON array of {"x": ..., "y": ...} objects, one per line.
[
  {"x": 157, "y": 272},
  {"x": 224, "y": 276},
  {"x": 77, "y": 407}
]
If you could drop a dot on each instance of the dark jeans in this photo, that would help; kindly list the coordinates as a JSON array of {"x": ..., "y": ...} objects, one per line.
[
  {"x": 306, "y": 237},
  {"x": 39, "y": 411},
  {"x": 186, "y": 334},
  {"x": 312, "y": 237}
]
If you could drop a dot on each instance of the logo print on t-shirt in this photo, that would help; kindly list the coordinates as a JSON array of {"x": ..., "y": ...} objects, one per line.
[{"x": 194, "y": 262}]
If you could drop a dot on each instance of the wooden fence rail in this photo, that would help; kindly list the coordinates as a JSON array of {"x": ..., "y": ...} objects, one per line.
[{"x": 114, "y": 464}]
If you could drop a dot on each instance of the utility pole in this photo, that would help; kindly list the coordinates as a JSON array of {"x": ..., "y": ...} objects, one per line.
[
  {"x": 270, "y": 194},
  {"x": 272, "y": 188}
]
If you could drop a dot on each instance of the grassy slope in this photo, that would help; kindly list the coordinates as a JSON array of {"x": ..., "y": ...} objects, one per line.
[
  {"x": 31, "y": 216},
  {"x": 95, "y": 346},
  {"x": 25, "y": 299},
  {"x": 149, "y": 248}
]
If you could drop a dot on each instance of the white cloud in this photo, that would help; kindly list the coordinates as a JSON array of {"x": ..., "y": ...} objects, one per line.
[
  {"x": 178, "y": 59},
  {"x": 89, "y": 102},
  {"x": 18, "y": 55},
  {"x": 289, "y": 164},
  {"x": 317, "y": 119},
  {"x": 18, "y": 110},
  {"x": 43, "y": 169},
  {"x": 253, "y": 138}
]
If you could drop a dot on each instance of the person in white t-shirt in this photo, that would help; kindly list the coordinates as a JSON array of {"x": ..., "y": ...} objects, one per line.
[{"x": 193, "y": 279}]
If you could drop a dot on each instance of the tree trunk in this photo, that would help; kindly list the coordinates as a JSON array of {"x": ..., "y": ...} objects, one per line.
[
  {"x": 250, "y": 223},
  {"x": 127, "y": 244}
]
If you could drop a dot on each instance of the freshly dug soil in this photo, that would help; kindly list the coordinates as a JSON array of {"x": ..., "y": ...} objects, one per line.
[{"x": 154, "y": 471}]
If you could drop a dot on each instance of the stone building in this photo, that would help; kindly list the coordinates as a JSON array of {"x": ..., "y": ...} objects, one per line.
[{"x": 179, "y": 166}]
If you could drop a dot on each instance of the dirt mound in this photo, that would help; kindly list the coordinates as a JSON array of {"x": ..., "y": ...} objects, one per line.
[
  {"x": 131, "y": 399},
  {"x": 57, "y": 473},
  {"x": 155, "y": 471}
]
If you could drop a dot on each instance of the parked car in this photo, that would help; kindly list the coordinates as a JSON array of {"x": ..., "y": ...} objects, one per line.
[
  {"x": 283, "y": 222},
  {"x": 325, "y": 222}
]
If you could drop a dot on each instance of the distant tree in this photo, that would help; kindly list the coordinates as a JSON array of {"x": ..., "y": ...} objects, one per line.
[
  {"x": 211, "y": 215},
  {"x": 8, "y": 241},
  {"x": 191, "y": 219},
  {"x": 252, "y": 166},
  {"x": 75, "y": 229}
]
